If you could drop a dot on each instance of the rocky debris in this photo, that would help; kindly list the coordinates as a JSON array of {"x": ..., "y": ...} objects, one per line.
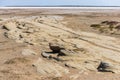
[
  {"x": 77, "y": 58},
  {"x": 56, "y": 47},
  {"x": 80, "y": 50},
  {"x": 20, "y": 31},
  {"x": 70, "y": 58},
  {"x": 106, "y": 67},
  {"x": 65, "y": 52},
  {"x": 10, "y": 26},
  {"x": 32, "y": 32},
  {"x": 11, "y": 35},
  {"x": 49, "y": 68},
  {"x": 46, "y": 55},
  {"x": 28, "y": 52}
]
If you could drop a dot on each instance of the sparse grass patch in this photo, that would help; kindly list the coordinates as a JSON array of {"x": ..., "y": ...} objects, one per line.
[
  {"x": 95, "y": 25},
  {"x": 1, "y": 19},
  {"x": 108, "y": 27},
  {"x": 110, "y": 22}
]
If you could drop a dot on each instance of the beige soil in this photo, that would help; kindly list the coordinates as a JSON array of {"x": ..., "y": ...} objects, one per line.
[{"x": 16, "y": 66}]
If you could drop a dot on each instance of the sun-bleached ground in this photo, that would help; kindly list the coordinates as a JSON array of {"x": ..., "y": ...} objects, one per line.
[{"x": 26, "y": 33}]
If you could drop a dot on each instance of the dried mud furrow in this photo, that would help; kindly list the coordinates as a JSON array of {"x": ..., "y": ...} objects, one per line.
[
  {"x": 69, "y": 31},
  {"x": 11, "y": 48},
  {"x": 72, "y": 32}
]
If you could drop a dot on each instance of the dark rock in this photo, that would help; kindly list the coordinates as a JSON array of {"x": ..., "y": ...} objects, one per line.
[
  {"x": 55, "y": 47},
  {"x": 104, "y": 67}
]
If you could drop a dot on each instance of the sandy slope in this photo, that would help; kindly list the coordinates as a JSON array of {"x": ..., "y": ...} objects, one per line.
[{"x": 74, "y": 32}]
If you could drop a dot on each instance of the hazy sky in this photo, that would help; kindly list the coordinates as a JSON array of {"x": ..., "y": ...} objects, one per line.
[{"x": 59, "y": 2}]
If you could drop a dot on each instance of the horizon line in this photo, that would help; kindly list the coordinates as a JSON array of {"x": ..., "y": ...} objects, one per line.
[
  {"x": 36, "y": 7},
  {"x": 57, "y": 6}
]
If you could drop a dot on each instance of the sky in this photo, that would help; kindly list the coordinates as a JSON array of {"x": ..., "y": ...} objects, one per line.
[{"x": 59, "y": 2}]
